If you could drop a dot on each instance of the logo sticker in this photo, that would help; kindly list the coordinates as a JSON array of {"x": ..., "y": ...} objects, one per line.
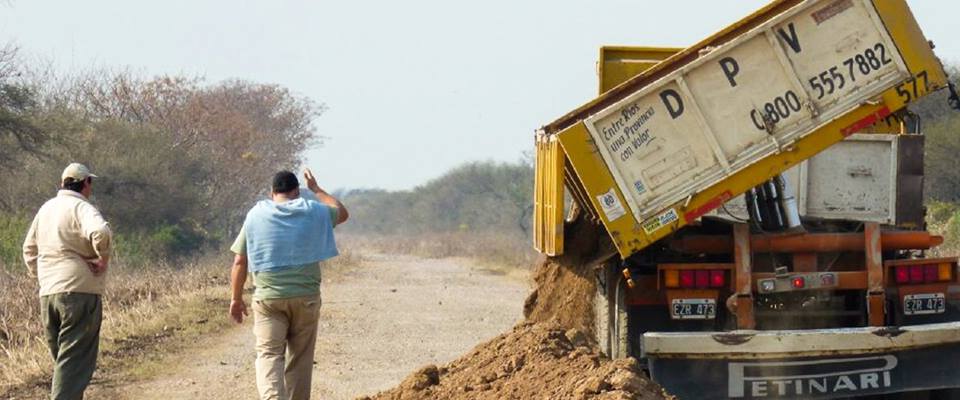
[
  {"x": 654, "y": 224},
  {"x": 610, "y": 203},
  {"x": 639, "y": 186}
]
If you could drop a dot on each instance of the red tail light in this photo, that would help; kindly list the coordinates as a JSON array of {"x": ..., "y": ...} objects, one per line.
[
  {"x": 686, "y": 279},
  {"x": 929, "y": 273},
  {"x": 702, "y": 279},
  {"x": 902, "y": 274},
  {"x": 916, "y": 274},
  {"x": 696, "y": 278},
  {"x": 718, "y": 278}
]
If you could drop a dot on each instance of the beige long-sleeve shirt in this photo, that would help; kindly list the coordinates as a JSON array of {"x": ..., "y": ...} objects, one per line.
[{"x": 67, "y": 232}]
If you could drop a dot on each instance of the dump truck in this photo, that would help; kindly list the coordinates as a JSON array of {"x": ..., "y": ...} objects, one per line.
[{"x": 762, "y": 194}]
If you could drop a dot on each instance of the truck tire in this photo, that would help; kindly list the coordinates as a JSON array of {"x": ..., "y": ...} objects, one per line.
[
  {"x": 611, "y": 313},
  {"x": 602, "y": 317}
]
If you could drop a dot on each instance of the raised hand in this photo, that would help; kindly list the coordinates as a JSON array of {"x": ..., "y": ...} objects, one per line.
[{"x": 311, "y": 181}]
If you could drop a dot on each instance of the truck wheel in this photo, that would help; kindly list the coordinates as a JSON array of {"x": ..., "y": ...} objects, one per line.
[
  {"x": 601, "y": 309},
  {"x": 611, "y": 313}
]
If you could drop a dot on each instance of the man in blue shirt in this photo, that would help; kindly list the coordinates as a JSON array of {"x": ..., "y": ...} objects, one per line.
[{"x": 281, "y": 244}]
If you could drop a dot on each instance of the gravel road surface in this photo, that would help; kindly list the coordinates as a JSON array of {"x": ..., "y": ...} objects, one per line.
[{"x": 379, "y": 321}]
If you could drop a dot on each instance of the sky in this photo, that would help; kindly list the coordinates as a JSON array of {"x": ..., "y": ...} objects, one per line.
[{"x": 411, "y": 88}]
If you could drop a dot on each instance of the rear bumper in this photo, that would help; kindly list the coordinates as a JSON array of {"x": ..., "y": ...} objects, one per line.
[{"x": 805, "y": 364}]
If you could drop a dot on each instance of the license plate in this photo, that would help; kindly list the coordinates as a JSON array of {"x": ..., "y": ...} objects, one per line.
[
  {"x": 925, "y": 303},
  {"x": 693, "y": 309}
]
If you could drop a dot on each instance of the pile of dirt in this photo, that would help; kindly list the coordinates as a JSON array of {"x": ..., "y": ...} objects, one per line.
[
  {"x": 535, "y": 360},
  {"x": 565, "y": 286},
  {"x": 552, "y": 354},
  {"x": 563, "y": 295}
]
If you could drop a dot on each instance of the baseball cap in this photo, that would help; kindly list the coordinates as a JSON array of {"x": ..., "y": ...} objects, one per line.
[{"x": 76, "y": 171}]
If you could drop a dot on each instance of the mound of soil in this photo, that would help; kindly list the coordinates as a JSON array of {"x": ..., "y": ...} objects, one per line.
[
  {"x": 565, "y": 286},
  {"x": 552, "y": 355},
  {"x": 535, "y": 360},
  {"x": 563, "y": 295}
]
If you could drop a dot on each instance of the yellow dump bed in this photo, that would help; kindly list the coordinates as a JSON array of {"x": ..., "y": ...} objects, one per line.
[{"x": 712, "y": 121}]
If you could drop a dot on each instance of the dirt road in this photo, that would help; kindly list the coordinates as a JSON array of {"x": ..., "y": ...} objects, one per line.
[{"x": 378, "y": 322}]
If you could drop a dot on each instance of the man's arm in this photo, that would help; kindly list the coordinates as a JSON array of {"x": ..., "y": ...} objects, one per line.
[
  {"x": 238, "y": 278},
  {"x": 326, "y": 198},
  {"x": 30, "y": 249},
  {"x": 96, "y": 229}
]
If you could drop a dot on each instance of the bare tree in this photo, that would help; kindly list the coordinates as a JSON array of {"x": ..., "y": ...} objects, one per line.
[
  {"x": 243, "y": 132},
  {"x": 18, "y": 133}
]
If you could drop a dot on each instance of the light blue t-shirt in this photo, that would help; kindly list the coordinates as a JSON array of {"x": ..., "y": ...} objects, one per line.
[{"x": 286, "y": 234}]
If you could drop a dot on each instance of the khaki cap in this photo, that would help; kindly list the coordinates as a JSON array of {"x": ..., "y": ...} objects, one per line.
[{"x": 76, "y": 171}]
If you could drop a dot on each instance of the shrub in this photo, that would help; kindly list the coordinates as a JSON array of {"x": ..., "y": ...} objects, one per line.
[
  {"x": 166, "y": 242},
  {"x": 13, "y": 229}
]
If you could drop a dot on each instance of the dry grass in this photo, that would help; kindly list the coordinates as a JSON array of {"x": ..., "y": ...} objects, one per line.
[
  {"x": 149, "y": 314},
  {"x": 496, "y": 251},
  {"x": 138, "y": 304}
]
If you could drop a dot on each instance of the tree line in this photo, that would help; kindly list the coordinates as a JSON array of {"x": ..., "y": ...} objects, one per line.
[{"x": 476, "y": 197}]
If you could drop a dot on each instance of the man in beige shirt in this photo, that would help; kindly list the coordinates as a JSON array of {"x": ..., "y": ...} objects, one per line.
[{"x": 68, "y": 250}]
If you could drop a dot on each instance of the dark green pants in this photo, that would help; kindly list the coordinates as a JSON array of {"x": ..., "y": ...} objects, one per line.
[{"x": 73, "y": 336}]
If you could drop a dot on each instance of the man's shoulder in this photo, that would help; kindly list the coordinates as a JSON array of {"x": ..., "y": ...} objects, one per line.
[
  {"x": 52, "y": 202},
  {"x": 321, "y": 209},
  {"x": 258, "y": 207},
  {"x": 313, "y": 203},
  {"x": 61, "y": 202},
  {"x": 82, "y": 205}
]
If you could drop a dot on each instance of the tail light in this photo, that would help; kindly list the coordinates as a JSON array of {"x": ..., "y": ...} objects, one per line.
[
  {"x": 798, "y": 282},
  {"x": 916, "y": 274},
  {"x": 718, "y": 278},
  {"x": 702, "y": 279},
  {"x": 944, "y": 272},
  {"x": 671, "y": 278},
  {"x": 927, "y": 273},
  {"x": 695, "y": 279},
  {"x": 686, "y": 279},
  {"x": 902, "y": 274}
]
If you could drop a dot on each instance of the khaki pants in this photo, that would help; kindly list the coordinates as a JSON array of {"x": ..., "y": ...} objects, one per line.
[
  {"x": 286, "y": 331},
  {"x": 73, "y": 336}
]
